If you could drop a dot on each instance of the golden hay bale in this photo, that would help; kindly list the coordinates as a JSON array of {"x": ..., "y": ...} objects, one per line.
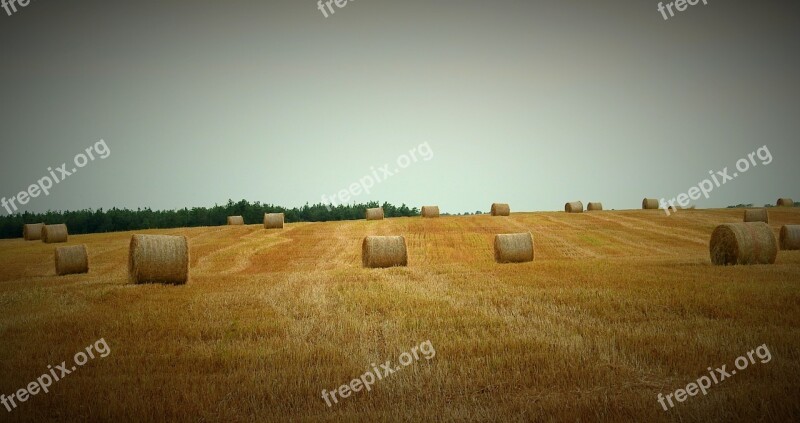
[
  {"x": 513, "y": 248},
  {"x": 159, "y": 259},
  {"x": 32, "y": 231},
  {"x": 756, "y": 215},
  {"x": 273, "y": 220},
  {"x": 574, "y": 207},
  {"x": 743, "y": 243},
  {"x": 384, "y": 251},
  {"x": 430, "y": 211},
  {"x": 54, "y": 233},
  {"x": 785, "y": 202},
  {"x": 71, "y": 260},
  {"x": 235, "y": 220},
  {"x": 790, "y": 237},
  {"x": 594, "y": 207},
  {"x": 375, "y": 214},
  {"x": 650, "y": 204},
  {"x": 500, "y": 209}
]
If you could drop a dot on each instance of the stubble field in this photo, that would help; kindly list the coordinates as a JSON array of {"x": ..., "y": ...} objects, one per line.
[{"x": 617, "y": 307}]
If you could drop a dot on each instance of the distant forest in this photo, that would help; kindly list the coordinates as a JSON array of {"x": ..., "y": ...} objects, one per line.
[
  {"x": 114, "y": 220},
  {"x": 117, "y": 220},
  {"x": 744, "y": 206}
]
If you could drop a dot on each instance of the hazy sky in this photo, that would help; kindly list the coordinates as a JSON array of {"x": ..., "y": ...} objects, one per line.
[{"x": 534, "y": 103}]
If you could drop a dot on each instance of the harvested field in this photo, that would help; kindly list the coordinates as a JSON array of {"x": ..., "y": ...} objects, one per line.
[{"x": 617, "y": 307}]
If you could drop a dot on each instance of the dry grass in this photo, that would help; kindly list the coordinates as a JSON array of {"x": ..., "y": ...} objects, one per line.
[
  {"x": 52, "y": 234},
  {"x": 617, "y": 307},
  {"x": 743, "y": 243},
  {"x": 513, "y": 248},
  {"x": 32, "y": 231},
  {"x": 71, "y": 260},
  {"x": 158, "y": 259}
]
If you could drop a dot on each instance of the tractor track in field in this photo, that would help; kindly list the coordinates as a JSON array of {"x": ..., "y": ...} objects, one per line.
[
  {"x": 338, "y": 252},
  {"x": 637, "y": 247},
  {"x": 566, "y": 248},
  {"x": 241, "y": 262},
  {"x": 653, "y": 227}
]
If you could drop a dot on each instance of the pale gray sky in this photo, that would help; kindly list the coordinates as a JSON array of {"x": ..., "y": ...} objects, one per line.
[{"x": 534, "y": 103}]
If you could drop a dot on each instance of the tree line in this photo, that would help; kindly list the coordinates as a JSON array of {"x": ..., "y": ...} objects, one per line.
[
  {"x": 114, "y": 220},
  {"x": 750, "y": 205}
]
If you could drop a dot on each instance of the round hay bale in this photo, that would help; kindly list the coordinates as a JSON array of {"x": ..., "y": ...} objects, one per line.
[
  {"x": 650, "y": 204},
  {"x": 384, "y": 251},
  {"x": 71, "y": 260},
  {"x": 32, "y": 231},
  {"x": 235, "y": 220},
  {"x": 500, "y": 209},
  {"x": 743, "y": 243},
  {"x": 785, "y": 202},
  {"x": 790, "y": 237},
  {"x": 273, "y": 220},
  {"x": 375, "y": 214},
  {"x": 54, "y": 233},
  {"x": 574, "y": 207},
  {"x": 430, "y": 211},
  {"x": 594, "y": 207},
  {"x": 158, "y": 259},
  {"x": 513, "y": 248},
  {"x": 756, "y": 215}
]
